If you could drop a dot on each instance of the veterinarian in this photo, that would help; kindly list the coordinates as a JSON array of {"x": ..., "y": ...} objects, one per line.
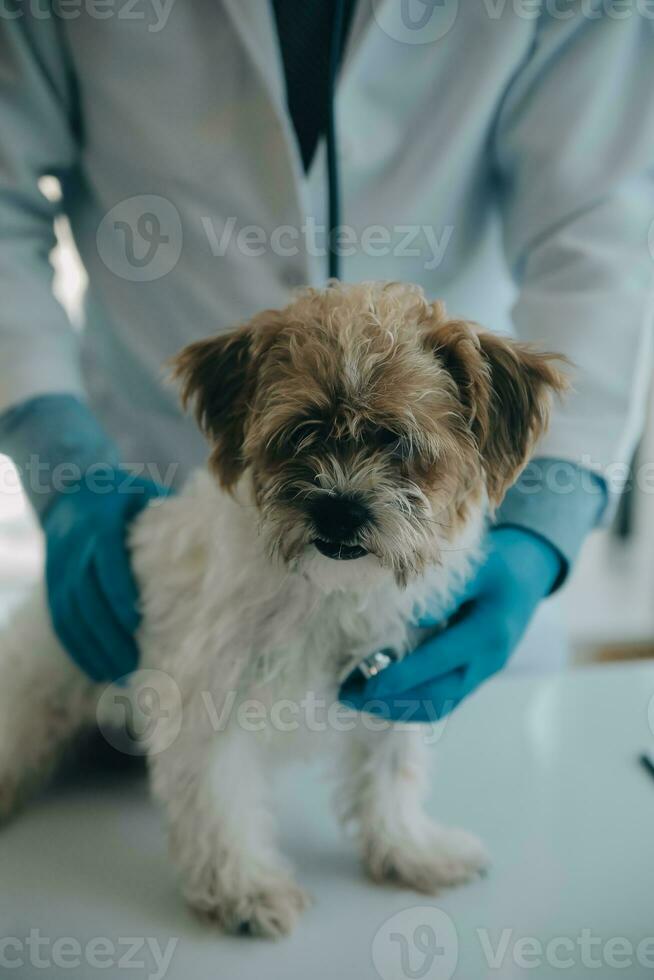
[{"x": 497, "y": 154}]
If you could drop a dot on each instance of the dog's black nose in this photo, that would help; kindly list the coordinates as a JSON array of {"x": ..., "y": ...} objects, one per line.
[{"x": 338, "y": 517}]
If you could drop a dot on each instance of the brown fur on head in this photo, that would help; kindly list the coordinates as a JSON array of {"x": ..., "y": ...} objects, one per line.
[{"x": 368, "y": 394}]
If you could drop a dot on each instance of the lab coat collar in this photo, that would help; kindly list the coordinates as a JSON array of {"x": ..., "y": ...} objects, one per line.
[
  {"x": 255, "y": 23},
  {"x": 359, "y": 29}
]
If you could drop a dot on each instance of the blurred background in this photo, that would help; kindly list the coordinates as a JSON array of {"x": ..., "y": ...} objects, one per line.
[{"x": 608, "y": 600}]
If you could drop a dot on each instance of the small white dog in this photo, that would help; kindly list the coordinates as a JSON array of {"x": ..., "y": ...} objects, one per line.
[{"x": 359, "y": 438}]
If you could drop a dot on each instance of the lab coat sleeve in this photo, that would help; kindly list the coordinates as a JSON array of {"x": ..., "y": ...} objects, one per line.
[
  {"x": 54, "y": 440},
  {"x": 573, "y": 147},
  {"x": 38, "y": 347},
  {"x": 558, "y": 501}
]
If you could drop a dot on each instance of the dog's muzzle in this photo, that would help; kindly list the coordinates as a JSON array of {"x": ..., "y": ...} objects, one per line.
[{"x": 338, "y": 519}]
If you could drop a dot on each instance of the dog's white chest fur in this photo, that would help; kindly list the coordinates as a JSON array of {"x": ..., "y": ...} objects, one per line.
[{"x": 218, "y": 612}]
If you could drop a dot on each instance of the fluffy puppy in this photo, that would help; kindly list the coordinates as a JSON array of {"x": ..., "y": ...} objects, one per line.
[{"x": 358, "y": 439}]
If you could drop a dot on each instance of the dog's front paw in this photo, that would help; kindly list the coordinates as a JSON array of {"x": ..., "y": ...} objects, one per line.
[
  {"x": 448, "y": 857},
  {"x": 269, "y": 908}
]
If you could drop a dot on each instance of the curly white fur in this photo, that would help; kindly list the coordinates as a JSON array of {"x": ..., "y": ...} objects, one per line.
[{"x": 228, "y": 624}]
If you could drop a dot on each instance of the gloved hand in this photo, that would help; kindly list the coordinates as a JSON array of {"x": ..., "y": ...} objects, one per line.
[
  {"x": 92, "y": 594},
  {"x": 70, "y": 471},
  {"x": 519, "y": 569}
]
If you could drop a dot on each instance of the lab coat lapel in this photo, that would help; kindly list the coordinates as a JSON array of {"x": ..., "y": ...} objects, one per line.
[
  {"x": 360, "y": 28},
  {"x": 255, "y": 24}
]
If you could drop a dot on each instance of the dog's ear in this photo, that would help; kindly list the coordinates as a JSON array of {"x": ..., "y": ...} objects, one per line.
[
  {"x": 505, "y": 389},
  {"x": 218, "y": 377}
]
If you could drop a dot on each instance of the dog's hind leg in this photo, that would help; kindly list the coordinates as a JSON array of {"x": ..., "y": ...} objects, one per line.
[
  {"x": 385, "y": 781},
  {"x": 44, "y": 700}
]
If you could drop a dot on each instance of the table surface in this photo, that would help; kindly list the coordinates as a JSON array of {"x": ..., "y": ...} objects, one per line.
[{"x": 545, "y": 770}]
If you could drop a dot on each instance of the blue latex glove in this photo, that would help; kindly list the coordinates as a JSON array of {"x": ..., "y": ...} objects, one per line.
[
  {"x": 70, "y": 472},
  {"x": 92, "y": 594},
  {"x": 519, "y": 569}
]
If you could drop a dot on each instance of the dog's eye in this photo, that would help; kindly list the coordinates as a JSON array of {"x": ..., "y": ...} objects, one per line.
[
  {"x": 301, "y": 437},
  {"x": 289, "y": 441},
  {"x": 386, "y": 437},
  {"x": 393, "y": 443}
]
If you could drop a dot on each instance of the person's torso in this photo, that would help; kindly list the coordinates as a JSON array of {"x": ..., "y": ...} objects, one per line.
[{"x": 192, "y": 211}]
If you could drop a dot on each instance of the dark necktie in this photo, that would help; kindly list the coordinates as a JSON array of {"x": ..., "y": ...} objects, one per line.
[{"x": 305, "y": 29}]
